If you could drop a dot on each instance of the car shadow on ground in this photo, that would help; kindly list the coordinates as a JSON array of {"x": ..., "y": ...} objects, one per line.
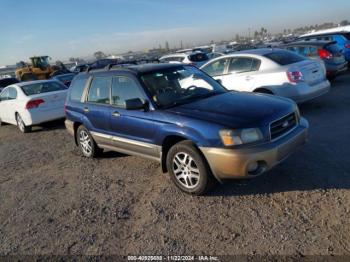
[
  {"x": 276, "y": 181},
  {"x": 48, "y": 126},
  {"x": 111, "y": 154}
]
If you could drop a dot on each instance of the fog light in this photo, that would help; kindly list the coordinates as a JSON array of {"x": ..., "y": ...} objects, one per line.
[{"x": 252, "y": 167}]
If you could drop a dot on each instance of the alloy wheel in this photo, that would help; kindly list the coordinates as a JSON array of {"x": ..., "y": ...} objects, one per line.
[
  {"x": 85, "y": 142},
  {"x": 186, "y": 170}
]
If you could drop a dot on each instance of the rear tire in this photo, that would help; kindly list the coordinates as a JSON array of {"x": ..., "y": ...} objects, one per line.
[
  {"x": 86, "y": 143},
  {"x": 21, "y": 125},
  {"x": 188, "y": 169}
]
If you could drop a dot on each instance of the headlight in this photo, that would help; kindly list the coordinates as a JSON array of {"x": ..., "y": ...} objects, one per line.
[{"x": 240, "y": 136}]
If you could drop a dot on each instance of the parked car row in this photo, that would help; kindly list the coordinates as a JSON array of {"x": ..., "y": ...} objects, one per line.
[
  {"x": 328, "y": 52},
  {"x": 31, "y": 103},
  {"x": 272, "y": 71},
  {"x": 186, "y": 112}
]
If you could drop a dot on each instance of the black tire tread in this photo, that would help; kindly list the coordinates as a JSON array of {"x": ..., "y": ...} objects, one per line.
[{"x": 205, "y": 171}]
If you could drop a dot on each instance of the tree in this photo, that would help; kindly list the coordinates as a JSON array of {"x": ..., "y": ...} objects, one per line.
[
  {"x": 99, "y": 55},
  {"x": 237, "y": 38},
  {"x": 344, "y": 23},
  {"x": 256, "y": 34},
  {"x": 167, "y": 46}
]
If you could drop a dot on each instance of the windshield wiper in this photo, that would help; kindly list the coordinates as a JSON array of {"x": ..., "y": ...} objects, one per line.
[{"x": 190, "y": 99}]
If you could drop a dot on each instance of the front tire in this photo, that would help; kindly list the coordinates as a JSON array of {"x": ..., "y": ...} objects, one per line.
[
  {"x": 21, "y": 125},
  {"x": 86, "y": 143},
  {"x": 188, "y": 169}
]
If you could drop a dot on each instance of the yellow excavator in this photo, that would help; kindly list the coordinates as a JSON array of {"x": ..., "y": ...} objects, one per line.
[{"x": 39, "y": 69}]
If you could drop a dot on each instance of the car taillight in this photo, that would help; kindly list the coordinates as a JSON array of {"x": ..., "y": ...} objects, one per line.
[
  {"x": 34, "y": 103},
  {"x": 295, "y": 76},
  {"x": 324, "y": 54},
  {"x": 347, "y": 46}
]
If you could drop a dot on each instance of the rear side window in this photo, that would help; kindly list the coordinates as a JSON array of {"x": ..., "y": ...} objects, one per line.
[
  {"x": 313, "y": 51},
  {"x": 46, "y": 87},
  {"x": 124, "y": 88},
  {"x": 77, "y": 89},
  {"x": 284, "y": 57},
  {"x": 99, "y": 91},
  {"x": 200, "y": 57}
]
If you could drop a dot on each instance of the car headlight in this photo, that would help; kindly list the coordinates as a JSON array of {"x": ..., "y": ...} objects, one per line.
[{"x": 240, "y": 136}]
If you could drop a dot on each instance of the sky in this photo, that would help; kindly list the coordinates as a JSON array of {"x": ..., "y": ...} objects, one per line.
[{"x": 78, "y": 28}]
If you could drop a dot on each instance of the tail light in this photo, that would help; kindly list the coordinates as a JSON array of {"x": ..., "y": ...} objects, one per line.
[
  {"x": 295, "y": 76},
  {"x": 347, "y": 46},
  {"x": 34, "y": 103},
  {"x": 324, "y": 54}
]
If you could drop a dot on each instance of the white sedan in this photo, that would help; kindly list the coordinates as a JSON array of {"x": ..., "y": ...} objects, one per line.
[
  {"x": 273, "y": 71},
  {"x": 32, "y": 103}
]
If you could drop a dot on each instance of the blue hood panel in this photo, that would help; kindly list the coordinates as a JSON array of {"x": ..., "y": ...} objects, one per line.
[{"x": 237, "y": 109}]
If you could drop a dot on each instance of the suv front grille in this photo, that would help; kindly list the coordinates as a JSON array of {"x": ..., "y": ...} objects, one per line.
[{"x": 283, "y": 125}]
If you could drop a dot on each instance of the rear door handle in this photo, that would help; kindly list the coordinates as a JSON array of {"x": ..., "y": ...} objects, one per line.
[
  {"x": 86, "y": 109},
  {"x": 116, "y": 114},
  {"x": 248, "y": 78}
]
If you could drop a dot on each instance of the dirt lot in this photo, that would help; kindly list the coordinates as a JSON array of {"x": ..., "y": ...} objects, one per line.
[{"x": 53, "y": 201}]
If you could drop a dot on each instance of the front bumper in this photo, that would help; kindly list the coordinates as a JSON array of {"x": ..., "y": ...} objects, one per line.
[
  {"x": 69, "y": 126},
  {"x": 233, "y": 163}
]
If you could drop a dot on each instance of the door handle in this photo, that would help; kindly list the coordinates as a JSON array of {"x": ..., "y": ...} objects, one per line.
[
  {"x": 86, "y": 109},
  {"x": 116, "y": 114},
  {"x": 248, "y": 78}
]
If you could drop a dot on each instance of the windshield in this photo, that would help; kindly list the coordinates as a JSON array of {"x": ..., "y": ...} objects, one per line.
[
  {"x": 40, "y": 61},
  {"x": 179, "y": 85},
  {"x": 39, "y": 88},
  {"x": 64, "y": 78}
]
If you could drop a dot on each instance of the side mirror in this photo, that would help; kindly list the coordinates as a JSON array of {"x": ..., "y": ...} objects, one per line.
[
  {"x": 136, "y": 104},
  {"x": 219, "y": 81}
]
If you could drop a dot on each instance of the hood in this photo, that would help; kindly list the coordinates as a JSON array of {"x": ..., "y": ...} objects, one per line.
[{"x": 237, "y": 109}]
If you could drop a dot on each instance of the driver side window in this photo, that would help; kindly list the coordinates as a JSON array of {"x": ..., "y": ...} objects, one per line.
[
  {"x": 124, "y": 88},
  {"x": 216, "y": 68}
]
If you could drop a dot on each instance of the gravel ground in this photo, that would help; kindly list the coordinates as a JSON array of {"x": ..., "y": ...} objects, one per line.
[{"x": 53, "y": 201}]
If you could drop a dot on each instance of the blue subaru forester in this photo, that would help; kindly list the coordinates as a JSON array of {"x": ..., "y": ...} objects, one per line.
[{"x": 181, "y": 117}]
